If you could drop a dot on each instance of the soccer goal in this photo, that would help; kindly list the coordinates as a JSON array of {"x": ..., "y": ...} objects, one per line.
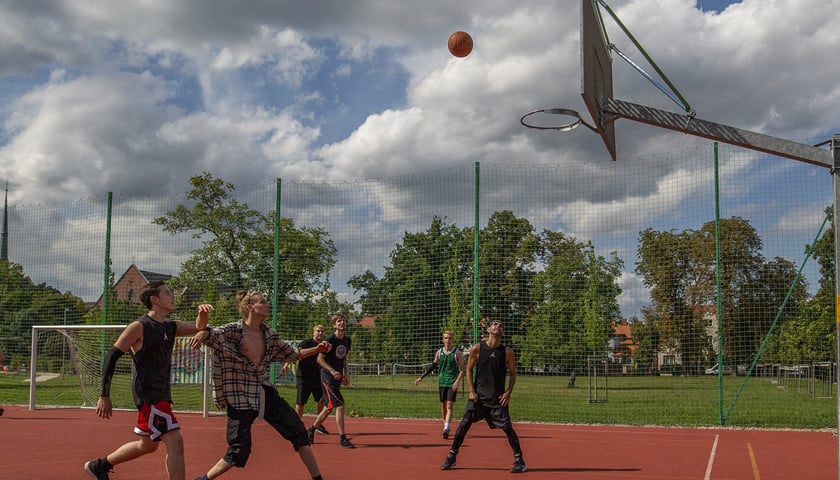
[
  {"x": 66, "y": 369},
  {"x": 356, "y": 369},
  {"x": 401, "y": 369}
]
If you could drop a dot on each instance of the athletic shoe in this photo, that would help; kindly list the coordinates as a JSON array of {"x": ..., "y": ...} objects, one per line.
[
  {"x": 1, "y": 411},
  {"x": 320, "y": 429},
  {"x": 448, "y": 463},
  {"x": 346, "y": 443},
  {"x": 98, "y": 469},
  {"x": 445, "y": 433},
  {"x": 311, "y": 434},
  {"x": 519, "y": 466},
  {"x": 203, "y": 477}
]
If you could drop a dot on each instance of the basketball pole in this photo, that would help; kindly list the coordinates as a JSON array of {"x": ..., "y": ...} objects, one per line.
[{"x": 835, "y": 155}]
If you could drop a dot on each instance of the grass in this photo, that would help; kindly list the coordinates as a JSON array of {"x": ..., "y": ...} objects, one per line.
[{"x": 668, "y": 401}]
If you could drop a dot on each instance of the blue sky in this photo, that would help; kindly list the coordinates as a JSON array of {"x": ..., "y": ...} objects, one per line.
[{"x": 330, "y": 89}]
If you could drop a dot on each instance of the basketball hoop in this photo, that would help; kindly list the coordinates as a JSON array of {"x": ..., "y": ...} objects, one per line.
[{"x": 565, "y": 127}]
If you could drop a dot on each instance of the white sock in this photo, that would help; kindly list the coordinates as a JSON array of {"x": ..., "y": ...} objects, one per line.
[{"x": 445, "y": 426}]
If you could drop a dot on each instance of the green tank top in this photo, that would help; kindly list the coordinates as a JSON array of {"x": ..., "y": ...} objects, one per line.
[{"x": 448, "y": 368}]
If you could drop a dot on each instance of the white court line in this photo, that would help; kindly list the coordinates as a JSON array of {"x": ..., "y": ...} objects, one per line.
[{"x": 711, "y": 459}]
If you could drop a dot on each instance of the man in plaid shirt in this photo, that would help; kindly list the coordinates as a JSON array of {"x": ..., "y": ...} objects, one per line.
[{"x": 243, "y": 352}]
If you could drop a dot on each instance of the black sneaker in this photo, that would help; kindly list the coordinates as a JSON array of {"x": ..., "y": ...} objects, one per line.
[
  {"x": 448, "y": 463},
  {"x": 346, "y": 443},
  {"x": 320, "y": 429},
  {"x": 519, "y": 466},
  {"x": 445, "y": 433},
  {"x": 311, "y": 434},
  {"x": 1, "y": 411},
  {"x": 98, "y": 469}
]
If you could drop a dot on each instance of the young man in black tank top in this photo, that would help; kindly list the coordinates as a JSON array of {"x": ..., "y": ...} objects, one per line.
[
  {"x": 488, "y": 398},
  {"x": 149, "y": 340}
]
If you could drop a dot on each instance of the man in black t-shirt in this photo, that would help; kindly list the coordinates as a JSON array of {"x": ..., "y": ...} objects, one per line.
[
  {"x": 333, "y": 376},
  {"x": 308, "y": 376},
  {"x": 488, "y": 398}
]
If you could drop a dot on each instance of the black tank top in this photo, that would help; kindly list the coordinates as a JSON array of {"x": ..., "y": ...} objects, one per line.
[
  {"x": 151, "y": 374},
  {"x": 489, "y": 378}
]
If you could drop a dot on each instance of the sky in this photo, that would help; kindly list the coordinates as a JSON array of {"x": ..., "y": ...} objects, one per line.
[{"x": 136, "y": 97}]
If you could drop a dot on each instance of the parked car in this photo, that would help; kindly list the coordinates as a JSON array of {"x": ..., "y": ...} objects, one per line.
[{"x": 727, "y": 369}]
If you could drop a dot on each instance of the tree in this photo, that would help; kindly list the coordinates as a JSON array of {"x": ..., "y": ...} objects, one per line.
[
  {"x": 24, "y": 304},
  {"x": 811, "y": 335},
  {"x": 413, "y": 300},
  {"x": 574, "y": 299},
  {"x": 507, "y": 252},
  {"x": 237, "y": 250},
  {"x": 679, "y": 268},
  {"x": 428, "y": 288},
  {"x": 668, "y": 268}
]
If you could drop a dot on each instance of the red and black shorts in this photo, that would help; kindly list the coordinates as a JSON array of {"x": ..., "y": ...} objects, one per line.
[{"x": 155, "y": 420}]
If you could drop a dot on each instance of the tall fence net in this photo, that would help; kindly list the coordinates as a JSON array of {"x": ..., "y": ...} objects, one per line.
[{"x": 610, "y": 260}]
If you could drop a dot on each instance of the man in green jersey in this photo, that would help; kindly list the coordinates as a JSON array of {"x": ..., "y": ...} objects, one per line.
[{"x": 449, "y": 361}]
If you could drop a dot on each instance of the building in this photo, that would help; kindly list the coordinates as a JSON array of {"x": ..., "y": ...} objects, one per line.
[{"x": 131, "y": 282}]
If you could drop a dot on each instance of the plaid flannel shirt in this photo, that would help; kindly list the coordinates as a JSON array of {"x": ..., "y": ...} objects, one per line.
[{"x": 237, "y": 381}]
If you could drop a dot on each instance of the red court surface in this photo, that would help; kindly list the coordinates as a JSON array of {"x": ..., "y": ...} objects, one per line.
[{"x": 54, "y": 444}]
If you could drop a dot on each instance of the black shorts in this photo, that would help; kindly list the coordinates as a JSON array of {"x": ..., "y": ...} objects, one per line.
[
  {"x": 496, "y": 416},
  {"x": 447, "y": 394},
  {"x": 332, "y": 393},
  {"x": 307, "y": 387},
  {"x": 283, "y": 418}
]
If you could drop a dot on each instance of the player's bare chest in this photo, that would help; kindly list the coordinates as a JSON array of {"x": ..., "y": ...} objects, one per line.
[{"x": 253, "y": 346}]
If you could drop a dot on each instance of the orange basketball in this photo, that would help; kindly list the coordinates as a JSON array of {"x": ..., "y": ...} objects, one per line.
[{"x": 460, "y": 44}]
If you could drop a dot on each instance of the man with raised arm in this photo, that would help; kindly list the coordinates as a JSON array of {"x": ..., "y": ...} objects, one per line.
[{"x": 149, "y": 340}]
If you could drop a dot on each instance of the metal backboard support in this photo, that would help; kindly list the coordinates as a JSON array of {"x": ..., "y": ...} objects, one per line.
[{"x": 597, "y": 92}]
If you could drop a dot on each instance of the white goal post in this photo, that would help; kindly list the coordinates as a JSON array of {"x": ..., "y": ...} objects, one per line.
[
  {"x": 364, "y": 368},
  {"x": 66, "y": 369},
  {"x": 402, "y": 369}
]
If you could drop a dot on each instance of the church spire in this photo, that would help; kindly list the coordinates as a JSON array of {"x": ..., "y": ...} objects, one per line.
[{"x": 4, "y": 246}]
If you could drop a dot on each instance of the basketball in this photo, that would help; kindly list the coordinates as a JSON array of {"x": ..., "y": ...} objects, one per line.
[{"x": 460, "y": 44}]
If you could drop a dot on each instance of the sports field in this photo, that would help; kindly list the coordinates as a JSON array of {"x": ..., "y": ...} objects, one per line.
[
  {"x": 630, "y": 400},
  {"x": 55, "y": 443}
]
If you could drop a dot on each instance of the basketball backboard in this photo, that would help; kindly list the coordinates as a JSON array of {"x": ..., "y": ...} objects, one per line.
[
  {"x": 597, "y": 93},
  {"x": 596, "y": 70}
]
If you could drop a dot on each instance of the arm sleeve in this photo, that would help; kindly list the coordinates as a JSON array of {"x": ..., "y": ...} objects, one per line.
[
  {"x": 429, "y": 369},
  {"x": 109, "y": 366}
]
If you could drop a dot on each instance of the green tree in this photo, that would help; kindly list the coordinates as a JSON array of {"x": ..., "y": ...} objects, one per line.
[
  {"x": 413, "y": 300},
  {"x": 507, "y": 253},
  {"x": 24, "y": 304},
  {"x": 679, "y": 268},
  {"x": 237, "y": 252},
  {"x": 811, "y": 336},
  {"x": 574, "y": 300}
]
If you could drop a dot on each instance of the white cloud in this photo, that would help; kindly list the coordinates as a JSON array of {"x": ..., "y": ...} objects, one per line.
[{"x": 137, "y": 97}]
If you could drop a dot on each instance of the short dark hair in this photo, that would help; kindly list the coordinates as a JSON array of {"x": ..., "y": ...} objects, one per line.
[{"x": 150, "y": 290}]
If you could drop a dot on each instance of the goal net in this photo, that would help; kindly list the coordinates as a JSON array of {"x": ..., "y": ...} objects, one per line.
[
  {"x": 401, "y": 369},
  {"x": 364, "y": 369},
  {"x": 67, "y": 369}
]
